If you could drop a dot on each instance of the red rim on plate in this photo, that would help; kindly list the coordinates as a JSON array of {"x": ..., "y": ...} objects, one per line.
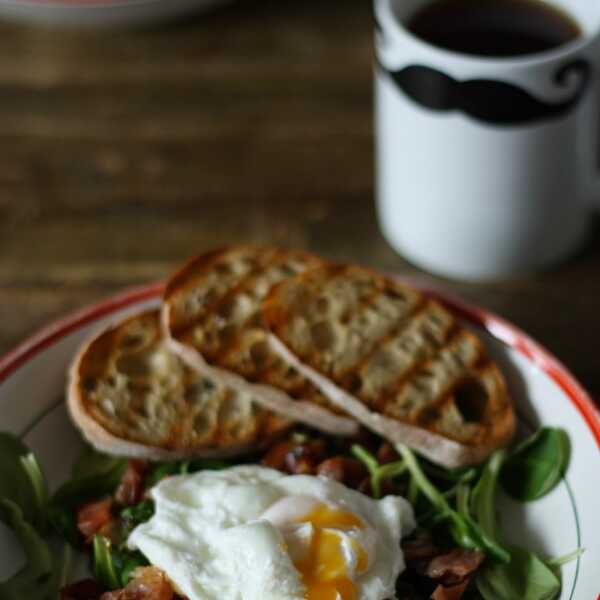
[
  {"x": 506, "y": 332},
  {"x": 58, "y": 329}
]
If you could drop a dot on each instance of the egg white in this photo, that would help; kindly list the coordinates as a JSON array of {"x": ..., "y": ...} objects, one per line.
[{"x": 218, "y": 534}]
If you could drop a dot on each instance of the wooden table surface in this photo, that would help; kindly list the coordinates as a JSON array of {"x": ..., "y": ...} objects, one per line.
[{"x": 123, "y": 153}]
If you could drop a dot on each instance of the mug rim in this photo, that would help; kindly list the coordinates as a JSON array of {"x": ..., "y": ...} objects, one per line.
[{"x": 384, "y": 7}]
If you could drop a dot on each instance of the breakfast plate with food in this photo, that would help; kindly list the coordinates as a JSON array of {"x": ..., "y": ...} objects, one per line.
[{"x": 268, "y": 425}]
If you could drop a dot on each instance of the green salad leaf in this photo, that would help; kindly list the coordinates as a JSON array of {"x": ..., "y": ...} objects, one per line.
[
  {"x": 35, "y": 581},
  {"x": 465, "y": 531},
  {"x": 527, "y": 577},
  {"x": 22, "y": 480},
  {"x": 64, "y": 567},
  {"x": 78, "y": 491},
  {"x": 560, "y": 561},
  {"x": 39, "y": 486},
  {"x": 208, "y": 464},
  {"x": 458, "y": 475},
  {"x": 91, "y": 462},
  {"x": 140, "y": 513},
  {"x": 483, "y": 499},
  {"x": 104, "y": 568},
  {"x": 126, "y": 562},
  {"x": 379, "y": 473},
  {"x": 165, "y": 469},
  {"x": 537, "y": 465},
  {"x": 463, "y": 496},
  {"x": 113, "y": 567}
]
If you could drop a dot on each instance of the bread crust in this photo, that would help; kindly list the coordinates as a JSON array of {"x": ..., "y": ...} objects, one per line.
[
  {"x": 439, "y": 449},
  {"x": 178, "y": 325},
  {"x": 96, "y": 360},
  {"x": 270, "y": 397},
  {"x": 451, "y": 358}
]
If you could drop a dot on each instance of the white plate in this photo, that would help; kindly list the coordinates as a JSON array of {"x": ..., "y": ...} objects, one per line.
[
  {"x": 32, "y": 380},
  {"x": 101, "y": 13}
]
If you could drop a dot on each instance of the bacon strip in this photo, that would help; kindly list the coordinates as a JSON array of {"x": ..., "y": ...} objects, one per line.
[
  {"x": 454, "y": 592},
  {"x": 148, "y": 583},
  {"x": 94, "y": 517},
  {"x": 131, "y": 488},
  {"x": 455, "y": 566},
  {"x": 87, "y": 589}
]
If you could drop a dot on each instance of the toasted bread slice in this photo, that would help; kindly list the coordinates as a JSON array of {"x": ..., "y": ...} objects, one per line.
[
  {"x": 130, "y": 395},
  {"x": 396, "y": 361},
  {"x": 212, "y": 314}
]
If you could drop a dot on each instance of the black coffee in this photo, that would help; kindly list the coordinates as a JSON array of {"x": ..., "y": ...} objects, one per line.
[{"x": 494, "y": 27}]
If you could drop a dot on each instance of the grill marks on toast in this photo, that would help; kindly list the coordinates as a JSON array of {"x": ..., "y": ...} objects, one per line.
[
  {"x": 396, "y": 356},
  {"x": 130, "y": 383},
  {"x": 217, "y": 277},
  {"x": 409, "y": 361},
  {"x": 347, "y": 317},
  {"x": 421, "y": 397},
  {"x": 240, "y": 309},
  {"x": 214, "y": 327},
  {"x": 372, "y": 321},
  {"x": 229, "y": 331},
  {"x": 359, "y": 343},
  {"x": 352, "y": 341}
]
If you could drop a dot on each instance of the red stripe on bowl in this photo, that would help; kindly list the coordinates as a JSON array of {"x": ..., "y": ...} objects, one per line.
[{"x": 61, "y": 328}]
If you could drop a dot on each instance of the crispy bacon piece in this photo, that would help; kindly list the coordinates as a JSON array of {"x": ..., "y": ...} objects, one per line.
[
  {"x": 87, "y": 589},
  {"x": 294, "y": 458},
  {"x": 276, "y": 456},
  {"x": 387, "y": 454},
  {"x": 455, "y": 566},
  {"x": 148, "y": 583},
  {"x": 131, "y": 488},
  {"x": 454, "y": 592},
  {"x": 95, "y": 517},
  {"x": 420, "y": 548},
  {"x": 388, "y": 488},
  {"x": 345, "y": 470}
]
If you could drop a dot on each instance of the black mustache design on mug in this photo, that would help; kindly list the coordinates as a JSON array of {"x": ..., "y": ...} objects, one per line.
[{"x": 495, "y": 102}]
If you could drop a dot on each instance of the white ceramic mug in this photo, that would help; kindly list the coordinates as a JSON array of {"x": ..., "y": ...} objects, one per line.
[{"x": 486, "y": 167}]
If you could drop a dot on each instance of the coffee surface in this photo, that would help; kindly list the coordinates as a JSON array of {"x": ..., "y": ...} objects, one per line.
[{"x": 501, "y": 28}]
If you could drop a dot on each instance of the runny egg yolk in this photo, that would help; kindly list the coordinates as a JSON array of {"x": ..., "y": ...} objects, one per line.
[{"x": 324, "y": 569}]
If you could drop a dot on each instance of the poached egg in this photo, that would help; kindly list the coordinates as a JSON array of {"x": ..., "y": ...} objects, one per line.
[{"x": 253, "y": 533}]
